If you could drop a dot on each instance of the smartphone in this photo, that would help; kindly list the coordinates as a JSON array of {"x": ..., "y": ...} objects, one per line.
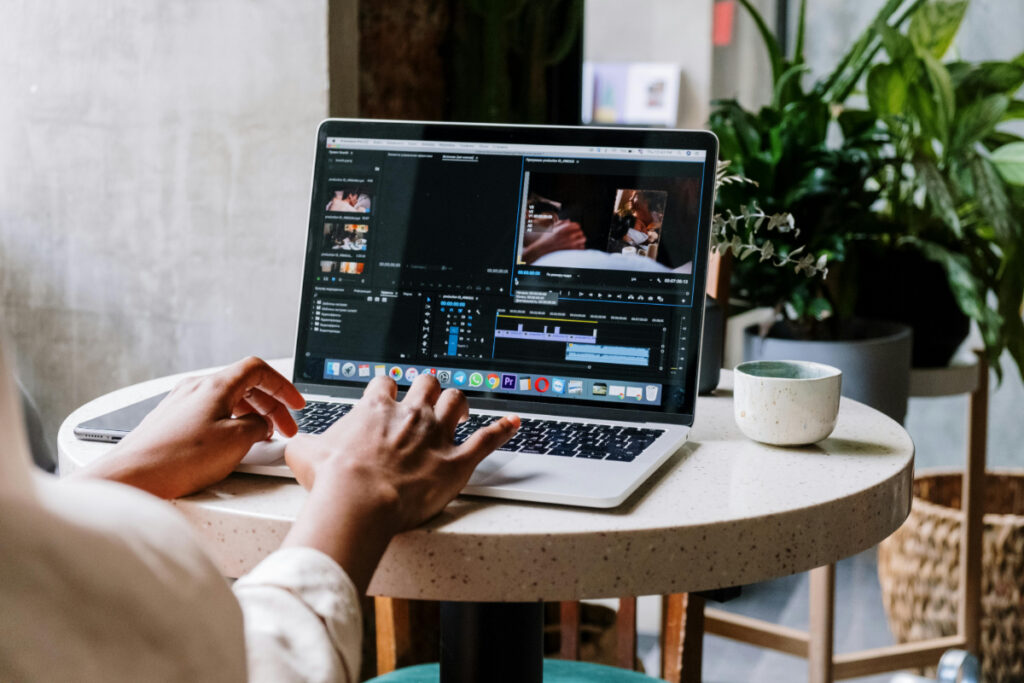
[{"x": 116, "y": 424}]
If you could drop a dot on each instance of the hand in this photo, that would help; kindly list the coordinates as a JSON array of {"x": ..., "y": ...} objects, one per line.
[
  {"x": 200, "y": 432},
  {"x": 565, "y": 234},
  {"x": 385, "y": 467}
]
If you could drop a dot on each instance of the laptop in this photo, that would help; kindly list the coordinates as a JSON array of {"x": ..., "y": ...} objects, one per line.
[{"x": 555, "y": 272}]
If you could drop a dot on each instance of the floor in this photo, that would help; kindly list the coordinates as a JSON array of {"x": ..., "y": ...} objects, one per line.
[{"x": 860, "y": 623}]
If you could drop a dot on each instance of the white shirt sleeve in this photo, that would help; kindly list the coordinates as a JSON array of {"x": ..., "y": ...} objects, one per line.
[{"x": 302, "y": 618}]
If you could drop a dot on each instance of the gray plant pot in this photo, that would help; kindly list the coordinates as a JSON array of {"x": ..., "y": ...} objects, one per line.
[
  {"x": 875, "y": 362},
  {"x": 711, "y": 347}
]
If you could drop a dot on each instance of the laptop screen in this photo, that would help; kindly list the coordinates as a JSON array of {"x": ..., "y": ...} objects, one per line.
[{"x": 562, "y": 267}]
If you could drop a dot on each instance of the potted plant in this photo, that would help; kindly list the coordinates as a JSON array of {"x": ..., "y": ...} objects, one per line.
[
  {"x": 832, "y": 166},
  {"x": 951, "y": 189}
]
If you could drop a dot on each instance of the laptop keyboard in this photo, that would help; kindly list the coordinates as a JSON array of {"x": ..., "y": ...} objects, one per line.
[
  {"x": 569, "y": 439},
  {"x": 544, "y": 437},
  {"x": 317, "y": 416}
]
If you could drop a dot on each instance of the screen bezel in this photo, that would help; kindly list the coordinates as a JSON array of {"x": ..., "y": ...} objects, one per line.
[{"x": 534, "y": 135}]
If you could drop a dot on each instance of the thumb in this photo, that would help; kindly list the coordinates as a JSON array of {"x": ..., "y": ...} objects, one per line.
[{"x": 487, "y": 439}]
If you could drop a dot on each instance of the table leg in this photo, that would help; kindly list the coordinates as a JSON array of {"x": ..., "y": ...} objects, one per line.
[
  {"x": 819, "y": 649},
  {"x": 497, "y": 642}
]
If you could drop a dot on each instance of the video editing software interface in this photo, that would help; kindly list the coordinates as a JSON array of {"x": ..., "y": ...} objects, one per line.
[{"x": 552, "y": 273}]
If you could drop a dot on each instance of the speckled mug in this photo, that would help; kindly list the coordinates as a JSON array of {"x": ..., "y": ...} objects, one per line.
[{"x": 786, "y": 402}]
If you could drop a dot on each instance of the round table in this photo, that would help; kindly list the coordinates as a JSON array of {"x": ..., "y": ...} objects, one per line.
[{"x": 723, "y": 511}]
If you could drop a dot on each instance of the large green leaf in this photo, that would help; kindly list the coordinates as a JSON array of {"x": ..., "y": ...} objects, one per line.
[
  {"x": 942, "y": 89},
  {"x": 801, "y": 25},
  {"x": 1014, "y": 111},
  {"x": 745, "y": 127},
  {"x": 1009, "y": 161},
  {"x": 998, "y": 138},
  {"x": 921, "y": 104},
  {"x": 787, "y": 89},
  {"x": 901, "y": 50},
  {"x": 1010, "y": 294},
  {"x": 856, "y": 122},
  {"x": 975, "y": 120},
  {"x": 887, "y": 90},
  {"x": 934, "y": 25},
  {"x": 973, "y": 81},
  {"x": 993, "y": 199},
  {"x": 838, "y": 85},
  {"x": 939, "y": 197},
  {"x": 771, "y": 43}
]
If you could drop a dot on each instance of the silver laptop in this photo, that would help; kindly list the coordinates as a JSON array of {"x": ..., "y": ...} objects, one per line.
[{"x": 555, "y": 272}]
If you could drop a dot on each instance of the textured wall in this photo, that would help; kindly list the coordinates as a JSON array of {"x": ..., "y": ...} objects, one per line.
[{"x": 154, "y": 175}]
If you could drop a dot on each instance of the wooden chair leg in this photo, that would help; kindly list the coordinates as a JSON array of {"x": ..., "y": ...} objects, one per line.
[
  {"x": 973, "y": 503},
  {"x": 625, "y": 634},
  {"x": 569, "y": 628},
  {"x": 408, "y": 632},
  {"x": 682, "y": 630},
  {"x": 393, "y": 634},
  {"x": 819, "y": 651}
]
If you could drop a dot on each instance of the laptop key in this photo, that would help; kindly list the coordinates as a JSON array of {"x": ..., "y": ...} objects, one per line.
[
  {"x": 622, "y": 456},
  {"x": 592, "y": 455}
]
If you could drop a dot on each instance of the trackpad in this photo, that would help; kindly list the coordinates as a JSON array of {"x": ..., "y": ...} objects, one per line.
[
  {"x": 491, "y": 464},
  {"x": 266, "y": 452}
]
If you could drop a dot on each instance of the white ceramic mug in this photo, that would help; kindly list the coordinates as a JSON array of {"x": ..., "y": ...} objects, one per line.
[{"x": 786, "y": 402}]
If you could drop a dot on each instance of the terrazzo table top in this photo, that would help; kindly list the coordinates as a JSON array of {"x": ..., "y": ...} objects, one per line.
[{"x": 722, "y": 511}]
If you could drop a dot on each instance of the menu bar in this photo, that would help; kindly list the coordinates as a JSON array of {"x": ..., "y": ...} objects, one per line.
[
  {"x": 518, "y": 149},
  {"x": 514, "y": 383}
]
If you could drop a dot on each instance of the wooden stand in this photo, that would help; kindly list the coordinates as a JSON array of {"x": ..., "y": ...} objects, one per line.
[{"x": 824, "y": 666}]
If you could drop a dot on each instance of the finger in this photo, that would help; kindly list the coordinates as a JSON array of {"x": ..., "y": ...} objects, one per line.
[
  {"x": 252, "y": 428},
  {"x": 486, "y": 439},
  {"x": 243, "y": 408},
  {"x": 381, "y": 386},
  {"x": 272, "y": 409},
  {"x": 424, "y": 391},
  {"x": 254, "y": 372},
  {"x": 452, "y": 407}
]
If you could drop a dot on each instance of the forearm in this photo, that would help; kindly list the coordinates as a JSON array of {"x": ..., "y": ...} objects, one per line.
[
  {"x": 124, "y": 466},
  {"x": 350, "y": 517}
]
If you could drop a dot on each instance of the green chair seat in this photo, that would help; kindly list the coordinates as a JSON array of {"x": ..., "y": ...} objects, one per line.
[{"x": 555, "y": 671}]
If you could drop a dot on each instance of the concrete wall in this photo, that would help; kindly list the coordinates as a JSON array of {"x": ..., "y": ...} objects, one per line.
[{"x": 154, "y": 175}]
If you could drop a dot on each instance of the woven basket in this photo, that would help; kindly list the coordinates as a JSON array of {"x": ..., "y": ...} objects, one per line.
[{"x": 919, "y": 569}]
